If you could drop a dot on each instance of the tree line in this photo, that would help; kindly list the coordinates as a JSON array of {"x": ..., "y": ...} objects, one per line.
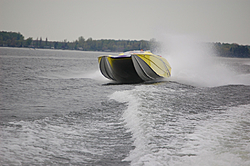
[
  {"x": 232, "y": 50},
  {"x": 14, "y": 39}
]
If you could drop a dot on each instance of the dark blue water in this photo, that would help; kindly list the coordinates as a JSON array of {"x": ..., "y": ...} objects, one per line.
[{"x": 57, "y": 109}]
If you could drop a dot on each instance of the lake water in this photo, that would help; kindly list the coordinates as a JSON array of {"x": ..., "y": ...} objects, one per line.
[{"x": 57, "y": 109}]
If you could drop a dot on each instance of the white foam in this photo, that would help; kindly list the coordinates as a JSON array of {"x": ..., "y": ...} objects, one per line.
[
  {"x": 132, "y": 119},
  {"x": 138, "y": 122}
]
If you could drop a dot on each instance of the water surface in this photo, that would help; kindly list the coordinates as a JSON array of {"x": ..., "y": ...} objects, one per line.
[{"x": 57, "y": 109}]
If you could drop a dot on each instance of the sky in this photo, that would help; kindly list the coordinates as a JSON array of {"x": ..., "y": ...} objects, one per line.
[{"x": 226, "y": 21}]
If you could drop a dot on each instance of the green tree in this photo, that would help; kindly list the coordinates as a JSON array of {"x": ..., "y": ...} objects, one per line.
[
  {"x": 28, "y": 41},
  {"x": 80, "y": 43},
  {"x": 75, "y": 45}
]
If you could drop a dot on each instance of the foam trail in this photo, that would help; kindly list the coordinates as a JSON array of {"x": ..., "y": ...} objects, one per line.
[
  {"x": 194, "y": 62},
  {"x": 139, "y": 119},
  {"x": 131, "y": 117}
]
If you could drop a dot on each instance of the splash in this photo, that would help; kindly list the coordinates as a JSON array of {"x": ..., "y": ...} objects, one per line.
[{"x": 195, "y": 62}]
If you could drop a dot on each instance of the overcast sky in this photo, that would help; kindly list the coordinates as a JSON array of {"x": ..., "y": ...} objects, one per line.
[{"x": 212, "y": 20}]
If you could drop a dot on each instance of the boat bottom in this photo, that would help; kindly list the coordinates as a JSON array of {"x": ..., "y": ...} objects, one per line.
[{"x": 124, "y": 71}]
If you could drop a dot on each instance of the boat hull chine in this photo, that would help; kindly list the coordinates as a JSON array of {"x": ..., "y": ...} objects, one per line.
[
  {"x": 106, "y": 68},
  {"x": 143, "y": 69}
]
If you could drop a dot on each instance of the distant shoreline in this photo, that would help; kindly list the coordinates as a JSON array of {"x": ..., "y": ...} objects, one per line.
[
  {"x": 14, "y": 39},
  {"x": 27, "y": 48}
]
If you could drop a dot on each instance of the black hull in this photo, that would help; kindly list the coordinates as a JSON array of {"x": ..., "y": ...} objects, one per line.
[{"x": 122, "y": 70}]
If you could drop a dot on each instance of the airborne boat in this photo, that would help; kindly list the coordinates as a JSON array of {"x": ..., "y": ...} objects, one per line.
[{"x": 134, "y": 67}]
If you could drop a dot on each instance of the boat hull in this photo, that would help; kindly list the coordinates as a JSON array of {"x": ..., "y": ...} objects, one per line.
[
  {"x": 121, "y": 70},
  {"x": 134, "y": 68}
]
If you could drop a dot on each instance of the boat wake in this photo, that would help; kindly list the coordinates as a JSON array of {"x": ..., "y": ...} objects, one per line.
[{"x": 171, "y": 125}]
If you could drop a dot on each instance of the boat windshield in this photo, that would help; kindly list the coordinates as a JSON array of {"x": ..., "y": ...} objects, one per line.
[{"x": 133, "y": 52}]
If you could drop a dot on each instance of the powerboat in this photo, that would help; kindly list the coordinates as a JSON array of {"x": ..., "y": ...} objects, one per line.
[{"x": 134, "y": 67}]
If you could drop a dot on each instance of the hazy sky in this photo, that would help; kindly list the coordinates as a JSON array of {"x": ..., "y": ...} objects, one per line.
[{"x": 212, "y": 20}]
